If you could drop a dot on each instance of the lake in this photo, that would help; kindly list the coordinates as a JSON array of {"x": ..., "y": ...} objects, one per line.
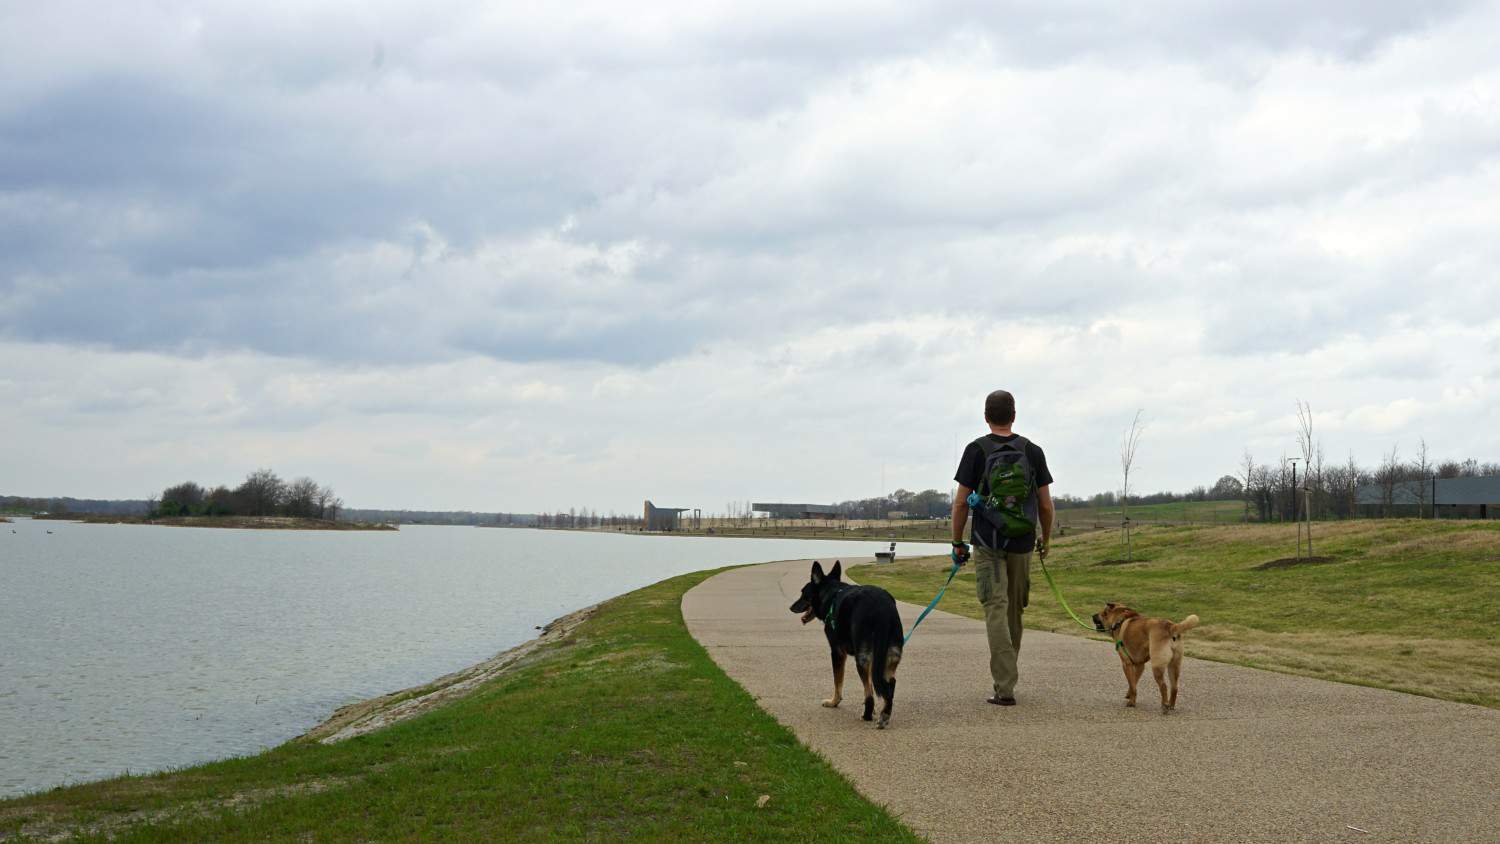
[{"x": 132, "y": 648}]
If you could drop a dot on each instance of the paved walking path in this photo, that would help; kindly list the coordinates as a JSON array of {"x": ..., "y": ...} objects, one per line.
[{"x": 1249, "y": 756}]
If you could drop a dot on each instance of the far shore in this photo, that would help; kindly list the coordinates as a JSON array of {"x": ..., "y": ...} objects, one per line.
[
  {"x": 854, "y": 535},
  {"x": 237, "y": 522}
]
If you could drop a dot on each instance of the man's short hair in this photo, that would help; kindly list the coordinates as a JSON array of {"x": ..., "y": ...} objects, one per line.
[{"x": 1000, "y": 408}]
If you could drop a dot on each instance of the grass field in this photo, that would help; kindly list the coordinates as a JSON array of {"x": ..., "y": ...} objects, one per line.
[
  {"x": 1182, "y": 512},
  {"x": 913, "y": 530},
  {"x": 1400, "y": 604},
  {"x": 938, "y": 530},
  {"x": 624, "y": 731}
]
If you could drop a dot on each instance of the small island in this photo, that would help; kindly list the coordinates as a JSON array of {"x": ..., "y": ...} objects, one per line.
[
  {"x": 236, "y": 522},
  {"x": 262, "y": 502}
]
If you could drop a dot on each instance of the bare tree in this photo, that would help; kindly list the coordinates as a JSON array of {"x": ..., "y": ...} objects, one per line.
[
  {"x": 1248, "y": 467},
  {"x": 325, "y": 503},
  {"x": 1352, "y": 490},
  {"x": 260, "y": 494},
  {"x": 1128, "y": 443},
  {"x": 1388, "y": 476},
  {"x": 1305, "y": 440},
  {"x": 1320, "y": 489},
  {"x": 1422, "y": 466},
  {"x": 301, "y": 498}
]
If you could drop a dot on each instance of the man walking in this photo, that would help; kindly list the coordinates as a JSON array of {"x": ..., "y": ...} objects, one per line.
[{"x": 1009, "y": 474}]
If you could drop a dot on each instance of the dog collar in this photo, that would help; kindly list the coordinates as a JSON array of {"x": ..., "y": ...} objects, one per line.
[{"x": 1119, "y": 642}]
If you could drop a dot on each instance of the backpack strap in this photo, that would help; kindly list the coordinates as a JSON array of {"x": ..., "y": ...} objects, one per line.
[
  {"x": 987, "y": 447},
  {"x": 1021, "y": 443}
]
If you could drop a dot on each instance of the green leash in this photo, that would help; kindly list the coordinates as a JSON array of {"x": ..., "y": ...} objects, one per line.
[
  {"x": 1057, "y": 593},
  {"x": 934, "y": 603}
]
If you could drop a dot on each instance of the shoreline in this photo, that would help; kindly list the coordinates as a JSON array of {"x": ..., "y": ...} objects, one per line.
[{"x": 367, "y": 716}]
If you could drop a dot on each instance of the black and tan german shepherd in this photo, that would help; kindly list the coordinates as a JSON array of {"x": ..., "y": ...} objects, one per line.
[{"x": 858, "y": 620}]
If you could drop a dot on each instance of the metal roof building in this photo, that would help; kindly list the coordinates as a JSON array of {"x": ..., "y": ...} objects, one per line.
[
  {"x": 663, "y": 518},
  {"x": 1447, "y": 497},
  {"x": 797, "y": 511}
]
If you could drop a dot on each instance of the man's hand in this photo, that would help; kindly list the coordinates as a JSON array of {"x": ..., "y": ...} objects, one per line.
[
  {"x": 960, "y": 553},
  {"x": 1041, "y": 549}
]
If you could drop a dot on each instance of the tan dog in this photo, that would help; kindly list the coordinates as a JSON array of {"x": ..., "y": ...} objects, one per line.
[{"x": 1139, "y": 640}]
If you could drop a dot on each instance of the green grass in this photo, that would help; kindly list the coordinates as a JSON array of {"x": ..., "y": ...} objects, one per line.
[
  {"x": 1194, "y": 512},
  {"x": 1402, "y": 604},
  {"x": 623, "y": 731},
  {"x": 913, "y": 530}
]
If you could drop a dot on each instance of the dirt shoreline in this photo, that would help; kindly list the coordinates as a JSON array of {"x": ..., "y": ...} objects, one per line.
[{"x": 367, "y": 716}]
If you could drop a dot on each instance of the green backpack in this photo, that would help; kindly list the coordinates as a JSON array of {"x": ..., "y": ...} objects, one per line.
[{"x": 1008, "y": 487}]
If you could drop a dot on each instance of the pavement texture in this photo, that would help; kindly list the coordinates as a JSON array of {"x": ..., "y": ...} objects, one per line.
[{"x": 1248, "y": 755}]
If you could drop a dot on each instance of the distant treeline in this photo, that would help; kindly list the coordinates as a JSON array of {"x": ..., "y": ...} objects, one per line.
[
  {"x": 1333, "y": 488},
  {"x": 441, "y": 517},
  {"x": 32, "y": 504},
  {"x": 263, "y": 493},
  {"x": 926, "y": 504},
  {"x": 583, "y": 517},
  {"x": 1266, "y": 489}
]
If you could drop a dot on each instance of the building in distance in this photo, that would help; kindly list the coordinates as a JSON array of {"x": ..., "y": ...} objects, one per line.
[{"x": 797, "y": 511}]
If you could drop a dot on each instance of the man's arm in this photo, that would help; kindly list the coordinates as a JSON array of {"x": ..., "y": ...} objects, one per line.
[
  {"x": 961, "y": 511},
  {"x": 1045, "y": 512}
]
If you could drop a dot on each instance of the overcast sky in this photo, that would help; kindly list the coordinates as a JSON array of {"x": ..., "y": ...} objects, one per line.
[{"x": 518, "y": 256}]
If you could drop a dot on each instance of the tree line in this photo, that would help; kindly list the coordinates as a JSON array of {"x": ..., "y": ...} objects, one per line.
[
  {"x": 263, "y": 493},
  {"x": 583, "y": 517},
  {"x": 1332, "y": 489}
]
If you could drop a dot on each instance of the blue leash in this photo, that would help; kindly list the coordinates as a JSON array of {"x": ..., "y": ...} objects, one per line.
[{"x": 934, "y": 603}]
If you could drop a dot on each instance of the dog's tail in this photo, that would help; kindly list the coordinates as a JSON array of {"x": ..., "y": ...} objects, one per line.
[
  {"x": 1185, "y": 625},
  {"x": 886, "y": 656}
]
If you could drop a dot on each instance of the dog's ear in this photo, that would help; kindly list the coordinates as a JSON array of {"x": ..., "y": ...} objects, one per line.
[
  {"x": 838, "y": 570},
  {"x": 817, "y": 572}
]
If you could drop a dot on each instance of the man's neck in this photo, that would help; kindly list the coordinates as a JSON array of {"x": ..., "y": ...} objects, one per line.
[{"x": 1000, "y": 430}]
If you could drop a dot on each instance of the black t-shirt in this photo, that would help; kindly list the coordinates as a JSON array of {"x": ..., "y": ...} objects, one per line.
[{"x": 971, "y": 469}]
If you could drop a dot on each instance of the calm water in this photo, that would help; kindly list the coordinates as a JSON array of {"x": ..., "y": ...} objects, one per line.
[{"x": 134, "y": 648}]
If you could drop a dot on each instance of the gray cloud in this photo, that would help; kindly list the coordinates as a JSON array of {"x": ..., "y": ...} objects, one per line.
[{"x": 788, "y": 215}]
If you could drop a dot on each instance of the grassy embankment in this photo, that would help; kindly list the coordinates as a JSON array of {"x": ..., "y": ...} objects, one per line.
[
  {"x": 1399, "y": 604},
  {"x": 624, "y": 730},
  {"x": 238, "y": 522},
  {"x": 1179, "y": 512}
]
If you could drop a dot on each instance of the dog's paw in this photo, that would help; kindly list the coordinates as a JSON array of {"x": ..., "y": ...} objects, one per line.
[
  {"x": 1129, "y": 704},
  {"x": 831, "y": 702}
]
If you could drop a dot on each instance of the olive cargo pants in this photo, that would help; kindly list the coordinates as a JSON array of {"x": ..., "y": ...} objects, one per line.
[{"x": 1003, "y": 581}]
